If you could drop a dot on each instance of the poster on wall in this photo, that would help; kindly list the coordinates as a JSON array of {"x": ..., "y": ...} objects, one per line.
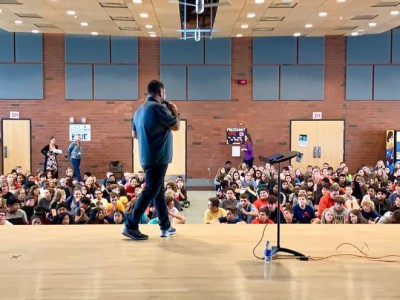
[
  {"x": 390, "y": 149},
  {"x": 82, "y": 129},
  {"x": 303, "y": 140},
  {"x": 235, "y": 136}
]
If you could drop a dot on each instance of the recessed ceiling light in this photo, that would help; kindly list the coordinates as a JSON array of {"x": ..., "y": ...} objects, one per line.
[
  {"x": 144, "y": 15},
  {"x": 372, "y": 24},
  {"x": 149, "y": 26},
  {"x": 323, "y": 14},
  {"x": 84, "y": 24},
  {"x": 152, "y": 32},
  {"x": 354, "y": 33},
  {"x": 71, "y": 12},
  {"x": 341, "y": 1},
  {"x": 251, "y": 15},
  {"x": 137, "y": 1},
  {"x": 35, "y": 31},
  {"x": 309, "y": 25},
  {"x": 259, "y": 1},
  {"x": 394, "y": 12},
  {"x": 297, "y": 34},
  {"x": 18, "y": 22},
  {"x": 244, "y": 26},
  {"x": 94, "y": 33},
  {"x": 239, "y": 35},
  {"x": 153, "y": 35},
  {"x": 1, "y": 10},
  {"x": 360, "y": 30}
]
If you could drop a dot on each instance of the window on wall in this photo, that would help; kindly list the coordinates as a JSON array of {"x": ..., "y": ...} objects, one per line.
[
  {"x": 288, "y": 68},
  {"x": 21, "y": 65},
  {"x": 373, "y": 70},
  {"x": 196, "y": 70},
  {"x": 101, "y": 67}
]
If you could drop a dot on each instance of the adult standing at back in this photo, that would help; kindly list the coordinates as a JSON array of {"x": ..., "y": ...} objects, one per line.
[
  {"x": 248, "y": 151},
  {"x": 50, "y": 157},
  {"x": 152, "y": 125},
  {"x": 75, "y": 155}
]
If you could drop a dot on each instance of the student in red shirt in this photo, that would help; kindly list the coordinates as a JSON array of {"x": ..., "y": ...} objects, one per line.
[
  {"x": 263, "y": 217},
  {"x": 328, "y": 200}
]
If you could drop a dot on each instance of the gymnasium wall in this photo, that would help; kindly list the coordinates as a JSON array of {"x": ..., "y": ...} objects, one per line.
[{"x": 266, "y": 105}]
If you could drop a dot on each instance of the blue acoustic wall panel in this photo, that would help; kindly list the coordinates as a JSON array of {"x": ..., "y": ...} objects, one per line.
[
  {"x": 302, "y": 83},
  {"x": 359, "y": 83},
  {"x": 311, "y": 50},
  {"x": 21, "y": 81},
  {"x": 174, "y": 79},
  {"x": 116, "y": 82},
  {"x": 369, "y": 49},
  {"x": 386, "y": 83},
  {"x": 78, "y": 82},
  {"x": 275, "y": 50},
  {"x": 218, "y": 51},
  {"x": 87, "y": 49},
  {"x": 174, "y": 51},
  {"x": 265, "y": 83},
  {"x": 209, "y": 82},
  {"x": 28, "y": 47},
  {"x": 6, "y": 46},
  {"x": 124, "y": 49},
  {"x": 396, "y": 46}
]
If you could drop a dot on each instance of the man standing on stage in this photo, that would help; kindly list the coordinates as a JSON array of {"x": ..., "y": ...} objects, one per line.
[{"x": 152, "y": 125}]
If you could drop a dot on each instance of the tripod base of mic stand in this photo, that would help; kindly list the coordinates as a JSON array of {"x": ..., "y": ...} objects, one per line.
[{"x": 277, "y": 249}]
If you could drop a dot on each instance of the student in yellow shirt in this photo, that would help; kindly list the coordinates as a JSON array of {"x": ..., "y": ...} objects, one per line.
[
  {"x": 214, "y": 211},
  {"x": 114, "y": 205}
]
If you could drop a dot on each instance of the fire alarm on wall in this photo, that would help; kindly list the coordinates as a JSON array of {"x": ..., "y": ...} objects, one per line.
[{"x": 242, "y": 82}]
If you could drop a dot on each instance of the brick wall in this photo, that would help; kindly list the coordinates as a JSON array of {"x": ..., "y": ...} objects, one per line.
[{"x": 268, "y": 121}]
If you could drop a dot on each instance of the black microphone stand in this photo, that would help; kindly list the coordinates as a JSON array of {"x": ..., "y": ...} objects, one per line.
[{"x": 278, "y": 158}]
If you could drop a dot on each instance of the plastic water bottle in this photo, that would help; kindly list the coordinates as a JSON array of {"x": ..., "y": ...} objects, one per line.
[{"x": 268, "y": 253}]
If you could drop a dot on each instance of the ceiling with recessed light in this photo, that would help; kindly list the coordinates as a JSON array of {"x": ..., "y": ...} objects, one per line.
[{"x": 162, "y": 18}]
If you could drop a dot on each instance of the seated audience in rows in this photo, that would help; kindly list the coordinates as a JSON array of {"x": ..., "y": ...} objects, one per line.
[
  {"x": 214, "y": 211},
  {"x": 246, "y": 211},
  {"x": 262, "y": 201},
  {"x": 382, "y": 205},
  {"x": 302, "y": 212},
  {"x": 3, "y": 220},
  {"x": 368, "y": 211},
  {"x": 274, "y": 209},
  {"x": 98, "y": 216},
  {"x": 351, "y": 201},
  {"x": 230, "y": 218},
  {"x": 327, "y": 217},
  {"x": 263, "y": 217},
  {"x": 338, "y": 210},
  {"x": 230, "y": 199},
  {"x": 82, "y": 211},
  {"x": 390, "y": 217},
  {"x": 328, "y": 200},
  {"x": 14, "y": 214},
  {"x": 355, "y": 217}
]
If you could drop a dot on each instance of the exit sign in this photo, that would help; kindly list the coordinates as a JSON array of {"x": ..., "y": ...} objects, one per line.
[{"x": 317, "y": 115}]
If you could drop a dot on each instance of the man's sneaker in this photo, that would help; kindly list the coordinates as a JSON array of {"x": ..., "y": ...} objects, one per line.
[
  {"x": 134, "y": 234},
  {"x": 168, "y": 232}
]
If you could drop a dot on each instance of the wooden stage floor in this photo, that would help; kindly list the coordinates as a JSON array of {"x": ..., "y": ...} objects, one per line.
[{"x": 200, "y": 262}]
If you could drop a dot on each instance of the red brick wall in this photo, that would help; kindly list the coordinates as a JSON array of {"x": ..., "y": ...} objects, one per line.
[{"x": 207, "y": 121}]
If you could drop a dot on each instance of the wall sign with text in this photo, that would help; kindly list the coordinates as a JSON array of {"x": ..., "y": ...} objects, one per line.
[
  {"x": 235, "y": 136},
  {"x": 82, "y": 129}
]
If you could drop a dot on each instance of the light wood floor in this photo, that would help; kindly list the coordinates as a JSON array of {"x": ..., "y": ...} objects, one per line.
[{"x": 200, "y": 262}]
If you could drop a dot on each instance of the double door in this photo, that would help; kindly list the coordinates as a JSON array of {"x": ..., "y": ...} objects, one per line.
[{"x": 320, "y": 141}]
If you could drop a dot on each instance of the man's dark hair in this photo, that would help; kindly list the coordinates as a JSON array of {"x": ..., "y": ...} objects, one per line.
[
  {"x": 272, "y": 199},
  {"x": 265, "y": 210},
  {"x": 88, "y": 174},
  {"x": 229, "y": 189},
  {"x": 382, "y": 191},
  {"x": 85, "y": 200},
  {"x": 154, "y": 87},
  {"x": 396, "y": 216}
]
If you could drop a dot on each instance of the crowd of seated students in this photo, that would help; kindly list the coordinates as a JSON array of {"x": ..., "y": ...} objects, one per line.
[
  {"x": 40, "y": 199},
  {"x": 325, "y": 195}
]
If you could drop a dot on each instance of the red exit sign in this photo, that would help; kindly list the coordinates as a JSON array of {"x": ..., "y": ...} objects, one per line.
[{"x": 242, "y": 82}]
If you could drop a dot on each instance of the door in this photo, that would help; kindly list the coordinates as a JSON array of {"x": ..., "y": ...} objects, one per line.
[
  {"x": 320, "y": 141},
  {"x": 178, "y": 165},
  {"x": 16, "y": 135}
]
